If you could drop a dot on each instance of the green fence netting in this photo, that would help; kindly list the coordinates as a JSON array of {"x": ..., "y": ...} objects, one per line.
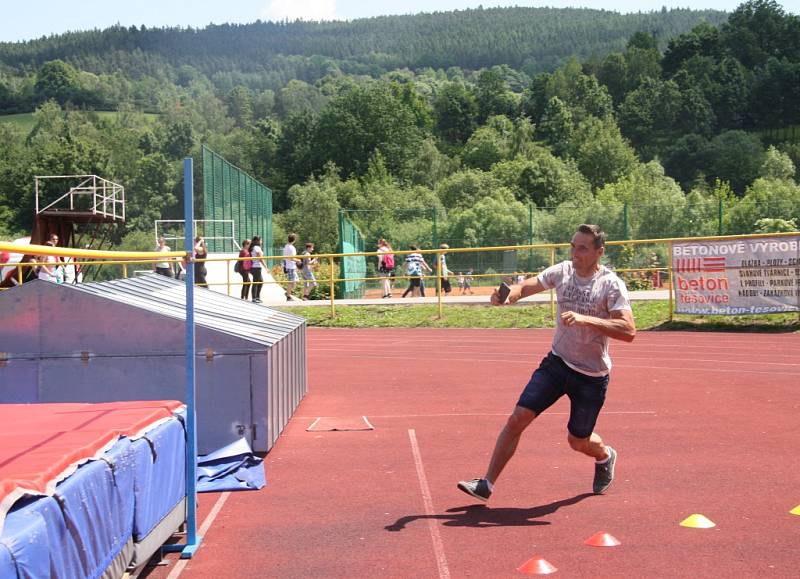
[
  {"x": 351, "y": 240},
  {"x": 661, "y": 217},
  {"x": 235, "y": 205}
]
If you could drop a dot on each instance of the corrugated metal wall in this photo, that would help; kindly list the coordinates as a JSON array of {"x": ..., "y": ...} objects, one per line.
[{"x": 122, "y": 340}]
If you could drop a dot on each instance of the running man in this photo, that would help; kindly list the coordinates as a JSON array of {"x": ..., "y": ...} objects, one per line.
[{"x": 593, "y": 306}]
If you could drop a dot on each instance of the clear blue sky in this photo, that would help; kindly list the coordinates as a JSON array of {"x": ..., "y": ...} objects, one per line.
[{"x": 24, "y": 20}]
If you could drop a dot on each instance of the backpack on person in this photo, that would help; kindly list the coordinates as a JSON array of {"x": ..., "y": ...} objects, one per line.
[
  {"x": 388, "y": 262},
  {"x": 302, "y": 263}
]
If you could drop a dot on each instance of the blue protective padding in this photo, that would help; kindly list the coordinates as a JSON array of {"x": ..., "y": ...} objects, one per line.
[
  {"x": 159, "y": 480},
  {"x": 231, "y": 468},
  {"x": 33, "y": 537},
  {"x": 81, "y": 529}
]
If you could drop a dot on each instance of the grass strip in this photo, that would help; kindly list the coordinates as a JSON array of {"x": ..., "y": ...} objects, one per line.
[{"x": 650, "y": 315}]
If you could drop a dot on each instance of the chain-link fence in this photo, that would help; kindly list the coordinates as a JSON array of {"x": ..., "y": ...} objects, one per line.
[
  {"x": 353, "y": 268},
  {"x": 665, "y": 217},
  {"x": 232, "y": 196}
]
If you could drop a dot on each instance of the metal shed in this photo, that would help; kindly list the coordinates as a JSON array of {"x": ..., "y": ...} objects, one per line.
[{"x": 124, "y": 340}]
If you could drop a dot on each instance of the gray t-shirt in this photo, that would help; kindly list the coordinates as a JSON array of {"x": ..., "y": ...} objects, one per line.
[{"x": 584, "y": 349}]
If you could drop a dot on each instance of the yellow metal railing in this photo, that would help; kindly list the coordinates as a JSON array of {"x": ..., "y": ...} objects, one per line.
[{"x": 128, "y": 258}]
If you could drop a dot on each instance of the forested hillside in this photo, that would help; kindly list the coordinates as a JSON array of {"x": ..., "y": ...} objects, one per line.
[
  {"x": 268, "y": 54},
  {"x": 479, "y": 113}
]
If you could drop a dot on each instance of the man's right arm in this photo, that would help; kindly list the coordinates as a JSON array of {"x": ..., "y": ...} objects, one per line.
[{"x": 527, "y": 288}]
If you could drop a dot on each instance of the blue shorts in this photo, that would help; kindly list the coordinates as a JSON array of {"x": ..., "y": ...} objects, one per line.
[{"x": 552, "y": 379}]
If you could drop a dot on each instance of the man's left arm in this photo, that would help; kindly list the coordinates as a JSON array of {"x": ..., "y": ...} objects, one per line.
[{"x": 619, "y": 326}]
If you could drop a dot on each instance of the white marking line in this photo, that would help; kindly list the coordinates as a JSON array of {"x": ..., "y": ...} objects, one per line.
[
  {"x": 452, "y": 414},
  {"x": 181, "y": 564},
  {"x": 368, "y": 422},
  {"x": 618, "y": 365},
  {"x": 313, "y": 423},
  {"x": 438, "y": 547}
]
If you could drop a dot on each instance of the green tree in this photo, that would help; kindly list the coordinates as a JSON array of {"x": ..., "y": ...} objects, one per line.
[
  {"x": 240, "y": 105},
  {"x": 299, "y": 97},
  {"x": 775, "y": 94},
  {"x": 178, "y": 139},
  {"x": 777, "y": 165},
  {"x": 150, "y": 194},
  {"x": 314, "y": 212},
  {"x": 769, "y": 225},
  {"x": 702, "y": 40},
  {"x": 491, "y": 221},
  {"x": 493, "y": 95},
  {"x": 543, "y": 179},
  {"x": 57, "y": 80},
  {"x": 765, "y": 199},
  {"x": 429, "y": 165},
  {"x": 456, "y": 112},
  {"x": 758, "y": 30},
  {"x": 602, "y": 154},
  {"x": 407, "y": 94},
  {"x": 363, "y": 120},
  {"x": 489, "y": 144},
  {"x": 466, "y": 187},
  {"x": 736, "y": 157},
  {"x": 686, "y": 158},
  {"x": 294, "y": 152},
  {"x": 656, "y": 202},
  {"x": 613, "y": 74},
  {"x": 556, "y": 125}
]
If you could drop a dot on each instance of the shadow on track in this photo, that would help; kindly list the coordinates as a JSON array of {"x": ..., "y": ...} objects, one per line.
[{"x": 483, "y": 516}]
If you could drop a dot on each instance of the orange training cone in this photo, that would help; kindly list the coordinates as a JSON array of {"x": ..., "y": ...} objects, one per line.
[
  {"x": 537, "y": 566},
  {"x": 698, "y": 522},
  {"x": 602, "y": 539},
  {"x": 796, "y": 510}
]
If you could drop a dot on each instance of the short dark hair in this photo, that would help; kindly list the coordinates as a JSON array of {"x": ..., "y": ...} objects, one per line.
[
  {"x": 292, "y": 237},
  {"x": 598, "y": 235}
]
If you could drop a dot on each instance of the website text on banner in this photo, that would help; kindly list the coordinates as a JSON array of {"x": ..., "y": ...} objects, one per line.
[{"x": 750, "y": 276}]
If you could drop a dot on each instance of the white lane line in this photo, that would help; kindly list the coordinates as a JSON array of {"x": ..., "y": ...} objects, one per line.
[
  {"x": 625, "y": 355},
  {"x": 620, "y": 359},
  {"x": 181, "y": 564},
  {"x": 478, "y": 414},
  {"x": 438, "y": 547}
]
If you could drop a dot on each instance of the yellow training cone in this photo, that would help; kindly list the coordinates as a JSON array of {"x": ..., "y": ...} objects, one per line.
[
  {"x": 796, "y": 510},
  {"x": 698, "y": 522}
]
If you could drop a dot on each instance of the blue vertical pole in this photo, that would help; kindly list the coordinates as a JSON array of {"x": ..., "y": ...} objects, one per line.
[{"x": 192, "y": 540}]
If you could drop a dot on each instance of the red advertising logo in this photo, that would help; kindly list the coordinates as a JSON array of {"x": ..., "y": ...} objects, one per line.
[{"x": 700, "y": 264}]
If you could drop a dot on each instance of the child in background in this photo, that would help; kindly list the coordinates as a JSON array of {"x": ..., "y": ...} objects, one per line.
[{"x": 307, "y": 264}]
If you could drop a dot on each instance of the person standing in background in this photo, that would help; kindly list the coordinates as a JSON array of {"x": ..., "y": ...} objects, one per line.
[
  {"x": 415, "y": 266},
  {"x": 307, "y": 265},
  {"x": 446, "y": 288},
  {"x": 243, "y": 268},
  {"x": 47, "y": 269},
  {"x": 200, "y": 253},
  {"x": 162, "y": 267},
  {"x": 256, "y": 266},
  {"x": 385, "y": 266},
  {"x": 290, "y": 264}
]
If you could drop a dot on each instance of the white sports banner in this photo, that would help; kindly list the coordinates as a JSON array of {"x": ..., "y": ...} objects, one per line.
[{"x": 740, "y": 276}]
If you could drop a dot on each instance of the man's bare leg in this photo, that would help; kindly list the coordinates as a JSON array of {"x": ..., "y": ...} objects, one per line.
[
  {"x": 592, "y": 446},
  {"x": 507, "y": 441},
  {"x": 605, "y": 459}
]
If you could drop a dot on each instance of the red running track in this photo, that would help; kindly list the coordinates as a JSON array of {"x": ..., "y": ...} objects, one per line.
[{"x": 703, "y": 422}]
